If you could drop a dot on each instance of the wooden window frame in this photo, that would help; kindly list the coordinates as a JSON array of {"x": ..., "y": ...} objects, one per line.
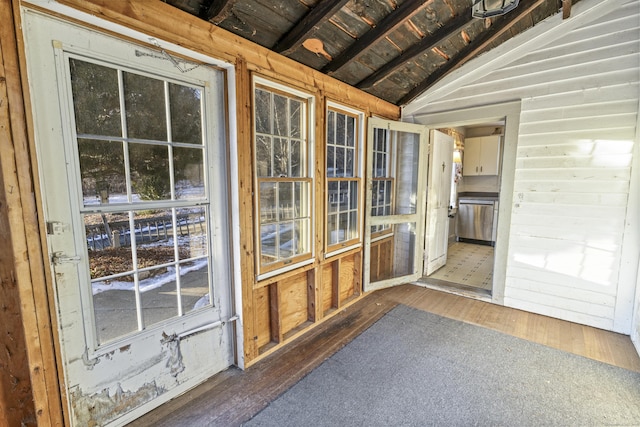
[
  {"x": 307, "y": 178},
  {"x": 358, "y": 116}
]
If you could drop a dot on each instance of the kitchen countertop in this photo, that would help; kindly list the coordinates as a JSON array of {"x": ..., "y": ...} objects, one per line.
[{"x": 478, "y": 195}]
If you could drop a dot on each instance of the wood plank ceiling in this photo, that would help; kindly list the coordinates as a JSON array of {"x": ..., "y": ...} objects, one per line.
[{"x": 393, "y": 49}]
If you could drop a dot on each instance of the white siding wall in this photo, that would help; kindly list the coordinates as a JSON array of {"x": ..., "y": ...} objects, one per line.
[{"x": 578, "y": 82}]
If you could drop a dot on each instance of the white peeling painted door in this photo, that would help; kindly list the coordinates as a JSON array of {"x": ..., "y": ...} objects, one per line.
[
  {"x": 395, "y": 203},
  {"x": 438, "y": 199},
  {"x": 131, "y": 146}
]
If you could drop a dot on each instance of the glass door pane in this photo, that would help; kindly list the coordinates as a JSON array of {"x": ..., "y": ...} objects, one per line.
[{"x": 396, "y": 182}]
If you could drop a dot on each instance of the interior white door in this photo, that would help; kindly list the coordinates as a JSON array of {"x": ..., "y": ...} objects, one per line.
[
  {"x": 438, "y": 195},
  {"x": 395, "y": 203},
  {"x": 135, "y": 199}
]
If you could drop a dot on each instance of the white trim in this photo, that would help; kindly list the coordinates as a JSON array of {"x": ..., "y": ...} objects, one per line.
[
  {"x": 234, "y": 173},
  {"x": 283, "y": 270},
  {"x": 477, "y": 115},
  {"x": 628, "y": 295},
  {"x": 342, "y": 250}
]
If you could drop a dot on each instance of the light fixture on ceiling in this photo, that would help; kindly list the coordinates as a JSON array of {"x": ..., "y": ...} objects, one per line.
[{"x": 489, "y": 8}]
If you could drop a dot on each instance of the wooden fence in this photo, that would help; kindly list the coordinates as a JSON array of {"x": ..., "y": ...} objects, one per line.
[{"x": 146, "y": 230}]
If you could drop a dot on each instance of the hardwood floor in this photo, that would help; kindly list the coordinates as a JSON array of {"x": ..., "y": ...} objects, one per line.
[{"x": 233, "y": 396}]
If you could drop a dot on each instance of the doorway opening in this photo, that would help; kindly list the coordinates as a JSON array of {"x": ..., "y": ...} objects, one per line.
[{"x": 472, "y": 197}]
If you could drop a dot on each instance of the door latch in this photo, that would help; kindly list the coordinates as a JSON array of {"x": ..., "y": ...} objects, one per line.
[
  {"x": 60, "y": 258},
  {"x": 56, "y": 228}
]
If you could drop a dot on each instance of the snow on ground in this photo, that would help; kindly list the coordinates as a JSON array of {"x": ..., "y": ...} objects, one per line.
[{"x": 149, "y": 283}]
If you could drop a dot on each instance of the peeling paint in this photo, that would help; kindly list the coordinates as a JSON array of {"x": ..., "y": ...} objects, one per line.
[
  {"x": 88, "y": 362},
  {"x": 174, "y": 361},
  {"x": 100, "y": 408}
]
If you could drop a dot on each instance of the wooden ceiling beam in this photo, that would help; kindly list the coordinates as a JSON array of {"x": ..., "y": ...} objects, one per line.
[
  {"x": 389, "y": 23},
  {"x": 499, "y": 27},
  {"x": 566, "y": 9},
  {"x": 219, "y": 10},
  {"x": 452, "y": 27},
  {"x": 308, "y": 25}
]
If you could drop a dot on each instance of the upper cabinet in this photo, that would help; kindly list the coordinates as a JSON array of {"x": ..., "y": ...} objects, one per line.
[{"x": 481, "y": 156}]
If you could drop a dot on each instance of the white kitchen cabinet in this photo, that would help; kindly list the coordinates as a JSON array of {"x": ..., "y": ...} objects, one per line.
[{"x": 481, "y": 156}]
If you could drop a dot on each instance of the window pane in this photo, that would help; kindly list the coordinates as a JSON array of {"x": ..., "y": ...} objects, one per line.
[
  {"x": 331, "y": 163},
  {"x": 194, "y": 285},
  {"x": 340, "y": 129},
  {"x": 186, "y": 120},
  {"x": 344, "y": 226},
  {"x": 193, "y": 240},
  {"x": 145, "y": 105},
  {"x": 353, "y": 225},
  {"x": 351, "y": 131},
  {"x": 96, "y": 98},
  {"x": 302, "y": 236},
  {"x": 344, "y": 196},
  {"x": 387, "y": 192},
  {"x": 334, "y": 196},
  {"x": 264, "y": 151},
  {"x": 331, "y": 131},
  {"x": 108, "y": 245},
  {"x": 268, "y": 211},
  {"x": 297, "y": 159},
  {"x": 380, "y": 167},
  {"x": 288, "y": 239},
  {"x": 281, "y": 157},
  {"x": 381, "y": 139},
  {"x": 188, "y": 166},
  {"x": 299, "y": 196},
  {"x": 407, "y": 155},
  {"x": 285, "y": 201},
  {"x": 150, "y": 171},
  {"x": 192, "y": 233},
  {"x": 158, "y": 295},
  {"x": 296, "y": 118},
  {"x": 353, "y": 191},
  {"x": 114, "y": 308},
  {"x": 333, "y": 233},
  {"x": 350, "y": 162},
  {"x": 154, "y": 242},
  {"x": 263, "y": 111},
  {"x": 340, "y": 161},
  {"x": 102, "y": 171},
  {"x": 280, "y": 116},
  {"x": 269, "y": 242}
]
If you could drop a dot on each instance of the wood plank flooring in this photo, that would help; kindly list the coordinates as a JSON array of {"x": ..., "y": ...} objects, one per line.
[{"x": 234, "y": 396}]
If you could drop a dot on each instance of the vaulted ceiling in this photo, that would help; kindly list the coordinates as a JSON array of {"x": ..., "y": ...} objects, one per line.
[{"x": 393, "y": 49}]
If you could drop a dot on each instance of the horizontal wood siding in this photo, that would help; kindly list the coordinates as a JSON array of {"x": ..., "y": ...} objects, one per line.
[{"x": 573, "y": 167}]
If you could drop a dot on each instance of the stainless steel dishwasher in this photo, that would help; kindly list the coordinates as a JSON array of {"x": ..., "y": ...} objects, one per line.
[{"x": 475, "y": 220}]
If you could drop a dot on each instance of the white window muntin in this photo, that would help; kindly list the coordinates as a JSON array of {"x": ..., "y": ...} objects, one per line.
[
  {"x": 212, "y": 111},
  {"x": 308, "y": 124},
  {"x": 358, "y": 168}
]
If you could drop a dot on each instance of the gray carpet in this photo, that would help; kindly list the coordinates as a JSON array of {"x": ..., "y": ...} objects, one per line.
[{"x": 413, "y": 368}]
